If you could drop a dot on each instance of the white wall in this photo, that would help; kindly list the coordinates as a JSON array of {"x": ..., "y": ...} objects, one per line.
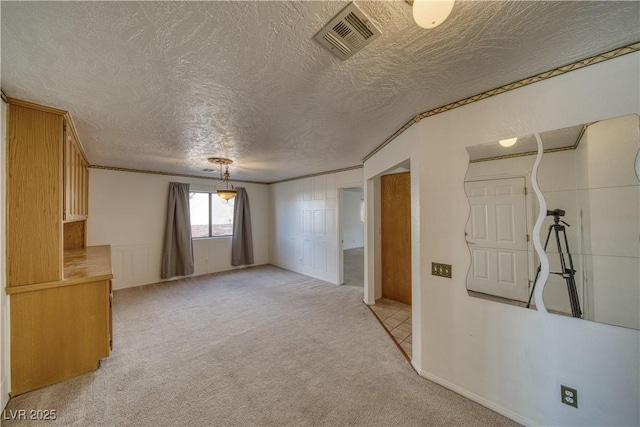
[
  {"x": 508, "y": 358},
  {"x": 305, "y": 224},
  {"x": 5, "y": 349},
  {"x": 127, "y": 211},
  {"x": 352, "y": 224},
  {"x": 608, "y": 199}
]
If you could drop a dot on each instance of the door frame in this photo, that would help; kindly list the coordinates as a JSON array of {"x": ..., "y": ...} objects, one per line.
[
  {"x": 340, "y": 222},
  {"x": 372, "y": 240},
  {"x": 341, "y": 188}
]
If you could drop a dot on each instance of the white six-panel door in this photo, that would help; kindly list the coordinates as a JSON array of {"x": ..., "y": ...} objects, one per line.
[{"x": 497, "y": 237}]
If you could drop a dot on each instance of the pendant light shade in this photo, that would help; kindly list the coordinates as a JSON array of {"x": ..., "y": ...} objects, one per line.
[
  {"x": 224, "y": 189},
  {"x": 226, "y": 194},
  {"x": 431, "y": 13}
]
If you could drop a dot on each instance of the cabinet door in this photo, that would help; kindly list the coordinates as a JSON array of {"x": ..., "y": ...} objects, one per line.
[
  {"x": 33, "y": 179},
  {"x": 76, "y": 183},
  {"x": 58, "y": 333}
]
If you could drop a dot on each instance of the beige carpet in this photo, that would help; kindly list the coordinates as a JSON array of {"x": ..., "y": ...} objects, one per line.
[{"x": 255, "y": 347}]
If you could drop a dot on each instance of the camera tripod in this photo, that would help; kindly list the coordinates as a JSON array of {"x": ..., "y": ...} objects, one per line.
[{"x": 567, "y": 273}]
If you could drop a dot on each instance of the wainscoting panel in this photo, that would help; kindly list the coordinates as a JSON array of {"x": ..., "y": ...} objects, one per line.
[
  {"x": 318, "y": 222},
  {"x": 332, "y": 186},
  {"x": 320, "y": 187},
  {"x": 298, "y": 256},
  {"x": 320, "y": 257},
  {"x": 134, "y": 265},
  {"x": 308, "y": 253},
  {"x": 306, "y": 221},
  {"x": 330, "y": 222},
  {"x": 313, "y": 204},
  {"x": 307, "y": 185}
]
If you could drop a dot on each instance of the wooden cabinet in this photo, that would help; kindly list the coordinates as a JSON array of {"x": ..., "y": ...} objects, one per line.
[
  {"x": 34, "y": 195},
  {"x": 76, "y": 179},
  {"x": 47, "y": 189},
  {"x": 62, "y": 329},
  {"x": 60, "y": 290}
]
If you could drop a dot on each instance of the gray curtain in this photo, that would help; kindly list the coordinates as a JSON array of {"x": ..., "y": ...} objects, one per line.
[
  {"x": 241, "y": 242},
  {"x": 177, "y": 250}
]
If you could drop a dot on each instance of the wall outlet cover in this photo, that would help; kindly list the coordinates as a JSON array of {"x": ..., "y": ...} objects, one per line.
[{"x": 569, "y": 396}]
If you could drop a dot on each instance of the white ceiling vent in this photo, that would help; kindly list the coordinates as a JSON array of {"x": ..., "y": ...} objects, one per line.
[{"x": 348, "y": 32}]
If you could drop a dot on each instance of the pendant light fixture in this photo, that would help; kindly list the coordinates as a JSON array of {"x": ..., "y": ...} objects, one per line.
[
  {"x": 431, "y": 13},
  {"x": 224, "y": 189}
]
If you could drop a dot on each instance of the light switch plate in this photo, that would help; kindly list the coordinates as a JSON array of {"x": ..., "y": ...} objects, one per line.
[{"x": 442, "y": 270}]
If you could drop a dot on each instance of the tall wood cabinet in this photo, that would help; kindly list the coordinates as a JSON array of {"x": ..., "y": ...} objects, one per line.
[
  {"x": 76, "y": 179},
  {"x": 60, "y": 289}
]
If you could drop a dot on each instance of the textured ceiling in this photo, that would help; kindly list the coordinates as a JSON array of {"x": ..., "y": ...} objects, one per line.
[{"x": 163, "y": 85}]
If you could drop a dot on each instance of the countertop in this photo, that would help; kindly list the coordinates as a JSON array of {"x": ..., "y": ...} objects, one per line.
[{"x": 91, "y": 264}]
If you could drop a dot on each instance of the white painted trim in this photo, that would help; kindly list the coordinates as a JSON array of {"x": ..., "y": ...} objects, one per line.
[
  {"x": 304, "y": 272},
  {"x": 5, "y": 381},
  {"x": 414, "y": 362},
  {"x": 478, "y": 399},
  {"x": 340, "y": 225},
  {"x": 5, "y": 300},
  {"x": 340, "y": 234}
]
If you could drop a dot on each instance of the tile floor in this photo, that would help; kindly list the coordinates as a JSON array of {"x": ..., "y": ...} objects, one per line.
[{"x": 396, "y": 318}]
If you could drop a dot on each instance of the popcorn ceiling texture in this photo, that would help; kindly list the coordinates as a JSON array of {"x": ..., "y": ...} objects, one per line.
[{"x": 164, "y": 85}]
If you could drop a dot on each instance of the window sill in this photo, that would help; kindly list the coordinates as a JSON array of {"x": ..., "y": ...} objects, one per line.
[{"x": 213, "y": 237}]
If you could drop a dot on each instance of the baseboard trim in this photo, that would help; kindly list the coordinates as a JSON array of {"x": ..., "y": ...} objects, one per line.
[
  {"x": 478, "y": 399},
  {"x": 306, "y": 273},
  {"x": 153, "y": 282}
]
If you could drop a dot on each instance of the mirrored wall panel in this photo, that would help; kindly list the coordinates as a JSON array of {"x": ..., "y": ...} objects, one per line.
[{"x": 592, "y": 228}]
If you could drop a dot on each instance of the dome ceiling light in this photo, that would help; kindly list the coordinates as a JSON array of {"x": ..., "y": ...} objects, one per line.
[
  {"x": 508, "y": 142},
  {"x": 431, "y": 13}
]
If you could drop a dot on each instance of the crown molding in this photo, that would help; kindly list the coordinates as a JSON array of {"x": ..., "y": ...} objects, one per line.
[
  {"x": 319, "y": 174},
  {"x": 615, "y": 53},
  {"x": 117, "y": 169}
]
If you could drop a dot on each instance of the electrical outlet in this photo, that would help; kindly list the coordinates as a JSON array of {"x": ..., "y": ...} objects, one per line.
[
  {"x": 442, "y": 270},
  {"x": 569, "y": 396}
]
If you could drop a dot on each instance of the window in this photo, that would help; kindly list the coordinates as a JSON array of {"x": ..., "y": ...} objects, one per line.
[{"x": 210, "y": 215}]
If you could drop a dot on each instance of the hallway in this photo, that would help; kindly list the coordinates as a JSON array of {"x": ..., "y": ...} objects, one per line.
[
  {"x": 394, "y": 316},
  {"x": 396, "y": 319},
  {"x": 354, "y": 267}
]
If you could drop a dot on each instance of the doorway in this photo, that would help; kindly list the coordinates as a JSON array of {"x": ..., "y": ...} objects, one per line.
[
  {"x": 393, "y": 304},
  {"x": 395, "y": 192},
  {"x": 353, "y": 211}
]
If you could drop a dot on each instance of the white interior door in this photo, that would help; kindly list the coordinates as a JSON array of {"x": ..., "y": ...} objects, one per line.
[{"x": 497, "y": 237}]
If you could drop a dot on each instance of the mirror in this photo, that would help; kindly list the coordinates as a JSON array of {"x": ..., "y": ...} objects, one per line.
[{"x": 588, "y": 178}]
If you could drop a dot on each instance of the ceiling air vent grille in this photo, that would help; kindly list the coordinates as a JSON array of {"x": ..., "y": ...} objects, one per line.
[{"x": 348, "y": 32}]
